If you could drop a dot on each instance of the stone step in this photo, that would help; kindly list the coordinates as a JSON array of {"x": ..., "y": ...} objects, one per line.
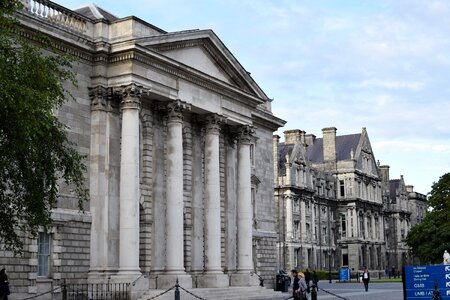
[{"x": 229, "y": 293}]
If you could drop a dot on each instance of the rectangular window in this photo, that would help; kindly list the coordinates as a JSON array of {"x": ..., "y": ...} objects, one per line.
[
  {"x": 296, "y": 229},
  {"x": 43, "y": 254},
  {"x": 343, "y": 226},
  {"x": 342, "y": 188}
]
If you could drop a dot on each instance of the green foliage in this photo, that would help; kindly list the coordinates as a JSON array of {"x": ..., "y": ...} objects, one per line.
[
  {"x": 35, "y": 153},
  {"x": 431, "y": 237}
]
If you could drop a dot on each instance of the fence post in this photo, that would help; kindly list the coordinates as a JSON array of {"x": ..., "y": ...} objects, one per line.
[
  {"x": 177, "y": 291},
  {"x": 64, "y": 290}
]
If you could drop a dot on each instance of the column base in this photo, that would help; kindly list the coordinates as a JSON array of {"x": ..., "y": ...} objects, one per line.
[
  {"x": 128, "y": 276},
  {"x": 166, "y": 281},
  {"x": 213, "y": 280},
  {"x": 244, "y": 279}
]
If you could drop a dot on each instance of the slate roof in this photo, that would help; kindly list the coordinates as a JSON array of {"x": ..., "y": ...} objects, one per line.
[
  {"x": 94, "y": 12},
  {"x": 344, "y": 145}
]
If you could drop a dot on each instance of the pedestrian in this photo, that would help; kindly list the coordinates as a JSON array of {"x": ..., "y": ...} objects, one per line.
[
  {"x": 366, "y": 278},
  {"x": 4, "y": 285},
  {"x": 315, "y": 279},
  {"x": 299, "y": 286},
  {"x": 308, "y": 280}
]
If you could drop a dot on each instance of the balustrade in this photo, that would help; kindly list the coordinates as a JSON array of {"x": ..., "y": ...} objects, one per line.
[{"x": 56, "y": 14}]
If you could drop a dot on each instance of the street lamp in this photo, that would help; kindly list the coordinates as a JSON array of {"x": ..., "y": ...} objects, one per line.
[{"x": 329, "y": 265}]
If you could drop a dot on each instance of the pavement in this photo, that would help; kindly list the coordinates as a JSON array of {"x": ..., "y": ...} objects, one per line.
[{"x": 377, "y": 291}]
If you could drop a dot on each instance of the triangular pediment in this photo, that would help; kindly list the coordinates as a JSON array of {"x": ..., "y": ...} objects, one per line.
[{"x": 203, "y": 51}]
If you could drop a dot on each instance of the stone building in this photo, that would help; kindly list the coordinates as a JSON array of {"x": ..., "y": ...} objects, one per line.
[
  {"x": 403, "y": 208},
  {"x": 306, "y": 205},
  {"x": 171, "y": 124},
  {"x": 336, "y": 205}
]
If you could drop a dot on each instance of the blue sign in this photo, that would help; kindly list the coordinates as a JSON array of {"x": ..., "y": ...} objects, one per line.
[
  {"x": 420, "y": 281},
  {"x": 344, "y": 274}
]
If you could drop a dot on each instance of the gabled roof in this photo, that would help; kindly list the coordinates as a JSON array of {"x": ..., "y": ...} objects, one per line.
[
  {"x": 284, "y": 149},
  {"x": 345, "y": 144},
  {"x": 394, "y": 184},
  {"x": 94, "y": 12}
]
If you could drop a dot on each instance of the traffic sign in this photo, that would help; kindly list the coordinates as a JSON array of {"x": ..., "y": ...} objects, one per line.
[{"x": 420, "y": 282}]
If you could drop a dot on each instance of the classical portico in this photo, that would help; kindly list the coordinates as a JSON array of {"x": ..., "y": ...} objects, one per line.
[{"x": 171, "y": 170}]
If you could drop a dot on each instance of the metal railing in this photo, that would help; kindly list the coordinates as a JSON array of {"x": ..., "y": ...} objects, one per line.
[{"x": 96, "y": 291}]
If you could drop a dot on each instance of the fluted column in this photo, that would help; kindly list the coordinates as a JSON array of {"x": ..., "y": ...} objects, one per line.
[
  {"x": 245, "y": 262},
  {"x": 129, "y": 182},
  {"x": 174, "y": 191},
  {"x": 212, "y": 196}
]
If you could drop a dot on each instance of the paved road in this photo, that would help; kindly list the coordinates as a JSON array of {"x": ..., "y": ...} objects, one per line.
[{"x": 377, "y": 291}]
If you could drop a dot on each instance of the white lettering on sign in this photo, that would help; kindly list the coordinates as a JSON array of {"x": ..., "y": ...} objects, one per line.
[
  {"x": 447, "y": 268},
  {"x": 447, "y": 284},
  {"x": 419, "y": 293},
  {"x": 447, "y": 276},
  {"x": 448, "y": 292},
  {"x": 419, "y": 285}
]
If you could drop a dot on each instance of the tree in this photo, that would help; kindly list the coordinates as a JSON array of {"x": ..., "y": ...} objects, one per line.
[
  {"x": 431, "y": 237},
  {"x": 35, "y": 152}
]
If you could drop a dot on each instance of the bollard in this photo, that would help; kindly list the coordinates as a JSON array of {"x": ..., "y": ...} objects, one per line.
[
  {"x": 177, "y": 291},
  {"x": 313, "y": 292}
]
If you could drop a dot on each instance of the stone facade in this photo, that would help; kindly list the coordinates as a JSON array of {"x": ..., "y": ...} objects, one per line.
[
  {"x": 176, "y": 135},
  {"x": 337, "y": 206}
]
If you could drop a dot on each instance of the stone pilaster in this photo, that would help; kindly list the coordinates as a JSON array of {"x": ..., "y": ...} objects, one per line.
[
  {"x": 289, "y": 221},
  {"x": 99, "y": 182},
  {"x": 129, "y": 182},
  {"x": 303, "y": 220}
]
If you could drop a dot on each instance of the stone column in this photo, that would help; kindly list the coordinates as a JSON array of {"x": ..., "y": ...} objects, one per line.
[
  {"x": 244, "y": 222},
  {"x": 129, "y": 183},
  {"x": 174, "y": 199},
  {"x": 213, "y": 263}
]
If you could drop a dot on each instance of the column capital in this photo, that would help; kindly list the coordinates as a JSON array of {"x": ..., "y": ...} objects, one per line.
[
  {"x": 214, "y": 123},
  {"x": 246, "y": 134},
  {"x": 101, "y": 97},
  {"x": 175, "y": 109},
  {"x": 130, "y": 96}
]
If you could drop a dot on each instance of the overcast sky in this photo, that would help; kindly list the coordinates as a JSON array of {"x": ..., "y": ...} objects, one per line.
[{"x": 380, "y": 64}]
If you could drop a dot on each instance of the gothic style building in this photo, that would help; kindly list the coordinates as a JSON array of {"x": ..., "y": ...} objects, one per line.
[
  {"x": 171, "y": 124},
  {"x": 337, "y": 206}
]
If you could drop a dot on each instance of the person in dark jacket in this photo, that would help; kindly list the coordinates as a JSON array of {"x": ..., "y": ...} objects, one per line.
[
  {"x": 315, "y": 279},
  {"x": 308, "y": 280},
  {"x": 4, "y": 285},
  {"x": 366, "y": 278}
]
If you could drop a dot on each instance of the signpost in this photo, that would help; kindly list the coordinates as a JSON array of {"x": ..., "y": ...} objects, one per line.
[
  {"x": 344, "y": 274},
  {"x": 419, "y": 282}
]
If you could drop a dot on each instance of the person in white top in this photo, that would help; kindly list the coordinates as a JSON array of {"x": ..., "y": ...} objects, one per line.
[{"x": 366, "y": 278}]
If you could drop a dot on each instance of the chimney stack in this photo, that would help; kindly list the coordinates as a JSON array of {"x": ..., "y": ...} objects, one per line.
[
  {"x": 292, "y": 136},
  {"x": 329, "y": 144}
]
